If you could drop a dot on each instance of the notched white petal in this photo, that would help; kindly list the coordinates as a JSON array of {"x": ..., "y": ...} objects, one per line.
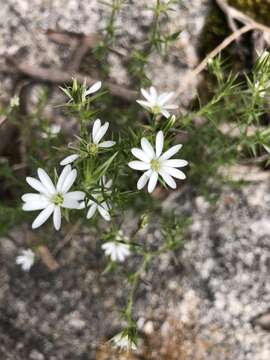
[
  {"x": 106, "y": 144},
  {"x": 69, "y": 180},
  {"x": 147, "y": 148},
  {"x": 69, "y": 159},
  {"x": 101, "y": 132},
  {"x": 67, "y": 169},
  {"x": 172, "y": 151},
  {"x": 152, "y": 182},
  {"x": 159, "y": 143},
  {"x": 175, "y": 163},
  {"x": 36, "y": 184},
  {"x": 139, "y": 165},
  {"x": 140, "y": 154},
  {"x": 43, "y": 216},
  {"x": 46, "y": 180},
  {"x": 57, "y": 218},
  {"x": 95, "y": 87}
]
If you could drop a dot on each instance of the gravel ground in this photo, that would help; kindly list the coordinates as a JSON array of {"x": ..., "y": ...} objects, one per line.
[{"x": 200, "y": 304}]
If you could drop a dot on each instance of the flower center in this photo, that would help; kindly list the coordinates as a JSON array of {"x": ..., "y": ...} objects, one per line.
[
  {"x": 155, "y": 165},
  {"x": 58, "y": 199},
  {"x": 156, "y": 109},
  {"x": 92, "y": 149}
]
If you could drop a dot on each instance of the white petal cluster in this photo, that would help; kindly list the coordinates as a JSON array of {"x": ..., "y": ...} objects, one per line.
[
  {"x": 117, "y": 250},
  {"x": 26, "y": 259},
  {"x": 157, "y": 104},
  {"x": 98, "y": 132},
  {"x": 123, "y": 342},
  {"x": 50, "y": 198},
  {"x": 99, "y": 204},
  {"x": 155, "y": 164},
  {"x": 52, "y": 131}
]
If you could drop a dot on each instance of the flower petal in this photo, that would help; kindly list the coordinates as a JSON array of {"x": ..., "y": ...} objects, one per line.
[
  {"x": 178, "y": 174},
  {"x": 147, "y": 95},
  {"x": 139, "y": 165},
  {"x": 101, "y": 132},
  {"x": 91, "y": 211},
  {"x": 165, "y": 113},
  {"x": 43, "y": 216},
  {"x": 95, "y": 87},
  {"x": 69, "y": 180},
  {"x": 143, "y": 179},
  {"x": 175, "y": 163},
  {"x": 73, "y": 200},
  {"x": 96, "y": 127},
  {"x": 57, "y": 218},
  {"x": 144, "y": 104},
  {"x": 153, "y": 93},
  {"x": 104, "y": 213},
  {"x": 140, "y": 154},
  {"x": 46, "y": 181},
  {"x": 106, "y": 144},
  {"x": 159, "y": 143},
  {"x": 152, "y": 182},
  {"x": 33, "y": 197},
  {"x": 69, "y": 159},
  {"x": 75, "y": 195},
  {"x": 147, "y": 148},
  {"x": 163, "y": 98},
  {"x": 168, "y": 179},
  {"x": 67, "y": 169},
  {"x": 169, "y": 153},
  {"x": 35, "y": 205},
  {"x": 170, "y": 107},
  {"x": 36, "y": 184}
]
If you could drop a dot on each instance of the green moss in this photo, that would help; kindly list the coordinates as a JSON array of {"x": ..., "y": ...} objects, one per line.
[{"x": 214, "y": 31}]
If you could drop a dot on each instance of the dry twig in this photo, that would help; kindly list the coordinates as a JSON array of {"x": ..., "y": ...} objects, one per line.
[
  {"x": 249, "y": 25},
  {"x": 60, "y": 77}
]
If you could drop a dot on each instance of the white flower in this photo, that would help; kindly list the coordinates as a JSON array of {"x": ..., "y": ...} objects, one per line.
[
  {"x": 117, "y": 250},
  {"x": 100, "y": 204},
  {"x": 154, "y": 163},
  {"x": 52, "y": 131},
  {"x": 98, "y": 132},
  {"x": 262, "y": 89},
  {"x": 123, "y": 342},
  {"x": 157, "y": 104},
  {"x": 26, "y": 259},
  {"x": 94, "y": 88},
  {"x": 51, "y": 198},
  {"x": 14, "y": 101}
]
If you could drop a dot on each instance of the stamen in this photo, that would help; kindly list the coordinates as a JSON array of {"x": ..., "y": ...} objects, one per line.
[
  {"x": 92, "y": 149},
  {"x": 155, "y": 165},
  {"x": 58, "y": 199}
]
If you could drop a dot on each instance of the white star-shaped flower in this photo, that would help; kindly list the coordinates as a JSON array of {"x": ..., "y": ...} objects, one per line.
[
  {"x": 26, "y": 259},
  {"x": 51, "y": 198},
  {"x": 154, "y": 163},
  {"x": 52, "y": 131},
  {"x": 123, "y": 342},
  {"x": 98, "y": 132},
  {"x": 99, "y": 203},
  {"x": 117, "y": 250},
  {"x": 157, "y": 104}
]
